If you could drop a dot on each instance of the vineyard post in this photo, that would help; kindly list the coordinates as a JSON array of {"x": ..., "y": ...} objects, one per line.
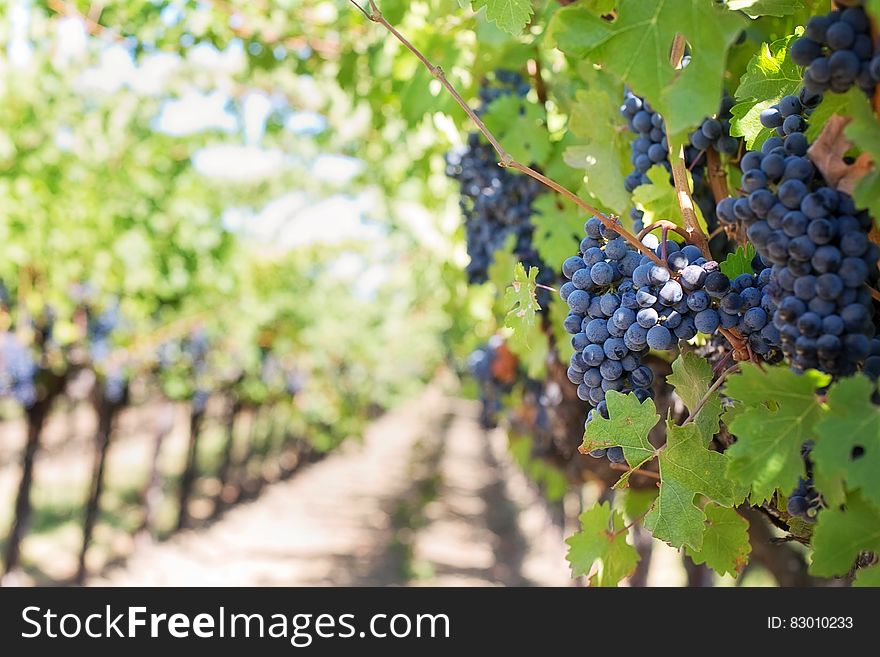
[
  {"x": 151, "y": 495},
  {"x": 190, "y": 470},
  {"x": 107, "y": 413},
  {"x": 36, "y": 420},
  {"x": 233, "y": 411}
]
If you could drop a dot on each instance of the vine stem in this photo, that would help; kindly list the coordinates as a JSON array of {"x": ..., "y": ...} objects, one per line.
[
  {"x": 699, "y": 407},
  {"x": 717, "y": 176},
  {"x": 505, "y": 160},
  {"x": 679, "y": 171},
  {"x": 547, "y": 287},
  {"x": 645, "y": 473}
]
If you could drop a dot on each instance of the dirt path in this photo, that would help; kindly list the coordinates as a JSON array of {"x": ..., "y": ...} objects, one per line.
[{"x": 427, "y": 499}]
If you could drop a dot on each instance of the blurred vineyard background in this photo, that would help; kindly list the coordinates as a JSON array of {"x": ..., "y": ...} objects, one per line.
[{"x": 203, "y": 285}]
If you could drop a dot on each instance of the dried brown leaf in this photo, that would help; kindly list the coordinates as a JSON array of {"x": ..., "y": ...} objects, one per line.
[{"x": 827, "y": 154}]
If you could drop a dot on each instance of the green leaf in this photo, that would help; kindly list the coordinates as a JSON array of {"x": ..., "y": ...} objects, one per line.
[
  {"x": 557, "y": 226},
  {"x": 687, "y": 468},
  {"x": 636, "y": 502},
  {"x": 739, "y": 262},
  {"x": 726, "y": 544},
  {"x": 868, "y": 577},
  {"x": 692, "y": 377},
  {"x": 600, "y": 7},
  {"x": 510, "y": 15},
  {"x": 558, "y": 312},
  {"x": 852, "y": 421},
  {"x": 746, "y": 122},
  {"x": 780, "y": 411},
  {"x": 841, "y": 534},
  {"x": 527, "y": 341},
  {"x": 601, "y": 542},
  {"x": 843, "y": 105},
  {"x": 628, "y": 426},
  {"x": 519, "y": 125},
  {"x": 636, "y": 47},
  {"x": 867, "y": 193},
  {"x": 521, "y": 300},
  {"x": 659, "y": 200},
  {"x": 605, "y": 151},
  {"x": 864, "y": 132},
  {"x": 755, "y": 8},
  {"x": 770, "y": 75}
]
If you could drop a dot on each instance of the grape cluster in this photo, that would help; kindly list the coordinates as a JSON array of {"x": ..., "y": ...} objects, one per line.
[
  {"x": 100, "y": 327},
  {"x": 195, "y": 349},
  {"x": 492, "y": 390},
  {"x": 805, "y": 501},
  {"x": 714, "y": 132},
  {"x": 116, "y": 387},
  {"x": 838, "y": 52},
  {"x": 651, "y": 147},
  {"x": 496, "y": 202},
  {"x": 817, "y": 244},
  {"x": 622, "y": 304},
  {"x": 17, "y": 371}
]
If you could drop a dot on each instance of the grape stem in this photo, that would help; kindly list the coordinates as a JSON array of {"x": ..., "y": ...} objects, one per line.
[
  {"x": 638, "y": 518},
  {"x": 699, "y": 407},
  {"x": 533, "y": 66},
  {"x": 547, "y": 287},
  {"x": 662, "y": 223},
  {"x": 505, "y": 160},
  {"x": 696, "y": 235}
]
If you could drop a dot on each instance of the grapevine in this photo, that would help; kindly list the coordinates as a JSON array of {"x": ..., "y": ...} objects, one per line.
[
  {"x": 799, "y": 307},
  {"x": 622, "y": 256}
]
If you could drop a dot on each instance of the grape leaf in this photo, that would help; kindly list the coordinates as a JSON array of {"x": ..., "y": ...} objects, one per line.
[
  {"x": 509, "y": 15},
  {"x": 868, "y": 577},
  {"x": 557, "y": 225},
  {"x": 604, "y": 154},
  {"x": 659, "y": 200},
  {"x": 864, "y": 131},
  {"x": 519, "y": 125},
  {"x": 842, "y": 533},
  {"x": 779, "y": 414},
  {"x": 600, "y": 7},
  {"x": 601, "y": 542},
  {"x": 628, "y": 426},
  {"x": 755, "y": 8},
  {"x": 636, "y": 502},
  {"x": 687, "y": 468},
  {"x": 691, "y": 377},
  {"x": 739, "y": 262},
  {"x": 745, "y": 122},
  {"x": 726, "y": 544},
  {"x": 841, "y": 104},
  {"x": 770, "y": 75},
  {"x": 851, "y": 421},
  {"x": 636, "y": 47},
  {"x": 527, "y": 341},
  {"x": 558, "y": 312}
]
